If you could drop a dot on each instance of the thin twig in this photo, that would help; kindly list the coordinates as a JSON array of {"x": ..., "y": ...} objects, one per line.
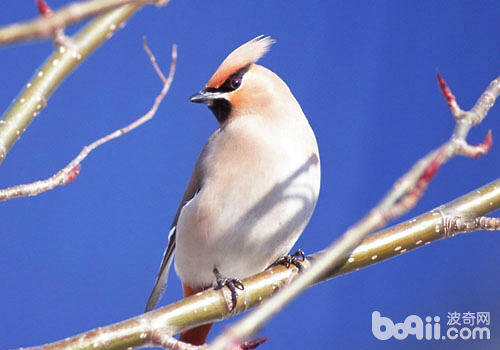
[
  {"x": 152, "y": 58},
  {"x": 70, "y": 171},
  {"x": 402, "y": 197},
  {"x": 156, "y": 328},
  {"x": 45, "y": 27},
  {"x": 62, "y": 62}
]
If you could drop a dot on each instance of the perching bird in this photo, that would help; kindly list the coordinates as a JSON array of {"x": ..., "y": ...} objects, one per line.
[{"x": 254, "y": 186}]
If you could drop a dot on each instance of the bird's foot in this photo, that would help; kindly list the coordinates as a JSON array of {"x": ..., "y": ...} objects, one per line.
[
  {"x": 231, "y": 283},
  {"x": 253, "y": 343},
  {"x": 296, "y": 259}
]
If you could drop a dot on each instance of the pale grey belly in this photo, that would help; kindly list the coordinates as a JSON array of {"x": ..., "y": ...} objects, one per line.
[{"x": 246, "y": 230}]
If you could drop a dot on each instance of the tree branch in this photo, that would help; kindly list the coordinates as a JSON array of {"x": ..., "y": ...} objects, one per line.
[
  {"x": 70, "y": 171},
  {"x": 47, "y": 26},
  {"x": 63, "y": 61},
  {"x": 403, "y": 196},
  {"x": 156, "y": 328}
]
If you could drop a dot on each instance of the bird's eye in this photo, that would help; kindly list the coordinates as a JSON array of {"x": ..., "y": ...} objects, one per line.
[{"x": 235, "y": 83}]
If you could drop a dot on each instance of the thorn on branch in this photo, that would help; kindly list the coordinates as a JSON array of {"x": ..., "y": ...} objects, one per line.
[
  {"x": 444, "y": 87},
  {"x": 478, "y": 150},
  {"x": 43, "y": 8},
  {"x": 485, "y": 146},
  {"x": 449, "y": 97}
]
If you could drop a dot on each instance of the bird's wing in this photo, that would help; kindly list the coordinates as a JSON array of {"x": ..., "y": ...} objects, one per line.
[
  {"x": 161, "y": 280},
  {"x": 194, "y": 186}
]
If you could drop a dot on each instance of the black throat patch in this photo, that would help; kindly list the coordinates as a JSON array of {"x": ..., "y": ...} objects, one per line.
[{"x": 222, "y": 107}]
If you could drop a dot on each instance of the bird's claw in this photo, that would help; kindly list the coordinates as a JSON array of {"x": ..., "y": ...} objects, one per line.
[
  {"x": 253, "y": 343},
  {"x": 296, "y": 259},
  {"x": 231, "y": 283}
]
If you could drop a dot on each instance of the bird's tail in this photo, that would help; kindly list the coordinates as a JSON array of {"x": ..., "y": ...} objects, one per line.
[
  {"x": 161, "y": 280},
  {"x": 197, "y": 335}
]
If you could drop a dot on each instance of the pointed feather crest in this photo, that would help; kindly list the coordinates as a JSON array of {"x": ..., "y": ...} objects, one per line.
[{"x": 249, "y": 52}]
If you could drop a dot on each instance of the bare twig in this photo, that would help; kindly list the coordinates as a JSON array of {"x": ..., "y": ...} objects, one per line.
[
  {"x": 46, "y": 26},
  {"x": 402, "y": 197},
  {"x": 157, "y": 327},
  {"x": 63, "y": 61},
  {"x": 70, "y": 171}
]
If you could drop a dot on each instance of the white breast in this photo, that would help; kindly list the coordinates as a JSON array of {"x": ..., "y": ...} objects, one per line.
[{"x": 260, "y": 189}]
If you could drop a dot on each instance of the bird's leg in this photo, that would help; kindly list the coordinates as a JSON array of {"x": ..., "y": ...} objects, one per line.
[
  {"x": 231, "y": 283},
  {"x": 295, "y": 259}
]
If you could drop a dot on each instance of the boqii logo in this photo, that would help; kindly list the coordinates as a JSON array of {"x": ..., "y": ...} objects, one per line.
[{"x": 467, "y": 325}]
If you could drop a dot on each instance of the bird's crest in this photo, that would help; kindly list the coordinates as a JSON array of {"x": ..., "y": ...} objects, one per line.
[{"x": 249, "y": 52}]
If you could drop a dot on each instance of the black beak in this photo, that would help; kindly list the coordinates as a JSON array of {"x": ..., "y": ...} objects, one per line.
[{"x": 205, "y": 97}]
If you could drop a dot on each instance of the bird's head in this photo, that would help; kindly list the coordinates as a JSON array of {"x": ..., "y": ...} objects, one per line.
[{"x": 239, "y": 86}]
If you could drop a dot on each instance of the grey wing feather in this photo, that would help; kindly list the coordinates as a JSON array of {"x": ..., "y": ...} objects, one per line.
[
  {"x": 194, "y": 185},
  {"x": 161, "y": 280}
]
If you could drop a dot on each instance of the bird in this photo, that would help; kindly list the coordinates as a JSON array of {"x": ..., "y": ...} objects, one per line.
[{"x": 254, "y": 186}]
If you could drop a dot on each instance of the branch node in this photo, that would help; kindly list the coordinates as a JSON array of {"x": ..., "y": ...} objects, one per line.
[{"x": 73, "y": 174}]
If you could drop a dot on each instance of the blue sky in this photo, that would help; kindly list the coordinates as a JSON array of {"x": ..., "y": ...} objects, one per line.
[{"x": 86, "y": 254}]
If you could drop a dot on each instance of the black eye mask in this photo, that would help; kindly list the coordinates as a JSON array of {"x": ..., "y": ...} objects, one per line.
[
  {"x": 231, "y": 83},
  {"x": 221, "y": 107}
]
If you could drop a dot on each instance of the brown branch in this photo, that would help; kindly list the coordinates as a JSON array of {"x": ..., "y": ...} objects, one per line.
[
  {"x": 156, "y": 328},
  {"x": 47, "y": 26},
  {"x": 402, "y": 197},
  {"x": 70, "y": 171}
]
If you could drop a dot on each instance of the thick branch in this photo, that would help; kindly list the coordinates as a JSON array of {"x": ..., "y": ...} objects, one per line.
[
  {"x": 45, "y": 27},
  {"x": 156, "y": 327},
  {"x": 70, "y": 171},
  {"x": 62, "y": 62}
]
